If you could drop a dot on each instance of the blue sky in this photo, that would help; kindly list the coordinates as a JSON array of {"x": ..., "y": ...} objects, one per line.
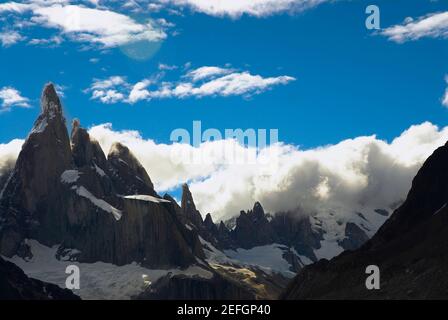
[
  {"x": 308, "y": 68},
  {"x": 349, "y": 82}
]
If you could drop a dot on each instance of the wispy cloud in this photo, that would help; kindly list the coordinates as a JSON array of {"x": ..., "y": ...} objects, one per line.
[
  {"x": 164, "y": 67},
  {"x": 201, "y": 82},
  {"x": 434, "y": 25},
  {"x": 11, "y": 97},
  {"x": 8, "y": 38},
  {"x": 237, "y": 8},
  {"x": 207, "y": 72}
]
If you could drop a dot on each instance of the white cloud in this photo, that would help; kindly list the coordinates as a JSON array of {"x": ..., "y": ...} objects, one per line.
[
  {"x": 364, "y": 171},
  {"x": 202, "y": 82},
  {"x": 13, "y": 7},
  {"x": 445, "y": 97},
  {"x": 238, "y": 83},
  {"x": 8, "y": 38},
  {"x": 139, "y": 91},
  {"x": 8, "y": 155},
  {"x": 360, "y": 172},
  {"x": 164, "y": 67},
  {"x": 98, "y": 26},
  {"x": 53, "y": 41},
  {"x": 105, "y": 90},
  {"x": 11, "y": 97},
  {"x": 434, "y": 25},
  {"x": 207, "y": 72},
  {"x": 237, "y": 8},
  {"x": 104, "y": 27}
]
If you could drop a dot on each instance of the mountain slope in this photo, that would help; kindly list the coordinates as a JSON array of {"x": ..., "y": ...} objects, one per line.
[
  {"x": 410, "y": 249},
  {"x": 15, "y": 285}
]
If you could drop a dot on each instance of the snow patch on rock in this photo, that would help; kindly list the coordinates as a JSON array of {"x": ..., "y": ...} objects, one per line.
[
  {"x": 70, "y": 176},
  {"x": 103, "y": 205},
  {"x": 143, "y": 197},
  {"x": 98, "y": 280}
]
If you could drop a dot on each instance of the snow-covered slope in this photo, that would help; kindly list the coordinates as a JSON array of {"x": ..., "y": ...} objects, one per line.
[{"x": 97, "y": 280}]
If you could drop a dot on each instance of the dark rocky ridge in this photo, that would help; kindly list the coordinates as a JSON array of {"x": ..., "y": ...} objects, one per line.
[
  {"x": 410, "y": 249},
  {"x": 15, "y": 285},
  {"x": 257, "y": 228},
  {"x": 84, "y": 208},
  {"x": 182, "y": 287}
]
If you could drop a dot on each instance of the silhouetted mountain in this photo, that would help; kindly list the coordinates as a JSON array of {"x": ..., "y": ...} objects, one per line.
[{"x": 410, "y": 249}]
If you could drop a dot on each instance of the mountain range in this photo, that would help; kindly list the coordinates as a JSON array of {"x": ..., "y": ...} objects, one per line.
[{"x": 66, "y": 202}]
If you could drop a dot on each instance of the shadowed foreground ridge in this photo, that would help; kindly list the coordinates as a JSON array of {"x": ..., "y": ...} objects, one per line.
[{"x": 411, "y": 249}]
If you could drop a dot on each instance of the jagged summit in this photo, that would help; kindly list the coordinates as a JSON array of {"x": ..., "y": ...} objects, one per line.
[
  {"x": 189, "y": 208},
  {"x": 129, "y": 171},
  {"x": 50, "y": 102},
  {"x": 85, "y": 149}
]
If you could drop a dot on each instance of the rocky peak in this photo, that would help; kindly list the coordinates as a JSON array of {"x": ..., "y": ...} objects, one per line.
[
  {"x": 258, "y": 211},
  {"x": 208, "y": 219},
  {"x": 189, "y": 208},
  {"x": 32, "y": 191},
  {"x": 253, "y": 228},
  {"x": 210, "y": 225},
  {"x": 86, "y": 150},
  {"x": 130, "y": 177},
  {"x": 50, "y": 103}
]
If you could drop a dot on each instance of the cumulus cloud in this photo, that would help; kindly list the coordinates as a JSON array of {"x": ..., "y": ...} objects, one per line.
[
  {"x": 237, "y": 8},
  {"x": 364, "y": 171},
  {"x": 201, "y": 82},
  {"x": 433, "y": 25},
  {"x": 11, "y": 97},
  {"x": 94, "y": 25}
]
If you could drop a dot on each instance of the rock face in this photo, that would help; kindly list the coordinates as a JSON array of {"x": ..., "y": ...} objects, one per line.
[
  {"x": 253, "y": 228},
  {"x": 410, "y": 249},
  {"x": 128, "y": 174},
  {"x": 15, "y": 285},
  {"x": 189, "y": 210},
  {"x": 30, "y": 196},
  {"x": 354, "y": 235},
  {"x": 68, "y": 193}
]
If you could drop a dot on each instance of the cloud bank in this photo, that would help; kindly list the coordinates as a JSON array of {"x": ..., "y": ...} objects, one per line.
[
  {"x": 364, "y": 171},
  {"x": 355, "y": 173}
]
